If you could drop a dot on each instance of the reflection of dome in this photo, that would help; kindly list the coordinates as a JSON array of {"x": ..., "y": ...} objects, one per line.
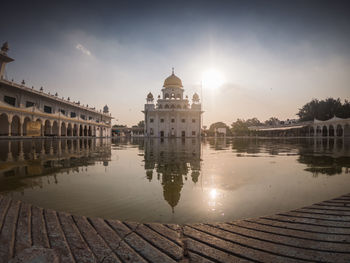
[
  {"x": 5, "y": 47},
  {"x": 172, "y": 80},
  {"x": 172, "y": 186}
]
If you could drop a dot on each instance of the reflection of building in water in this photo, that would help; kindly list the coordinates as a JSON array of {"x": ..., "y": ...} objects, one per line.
[
  {"x": 326, "y": 156},
  {"x": 25, "y": 111},
  {"x": 173, "y": 161},
  {"x": 32, "y": 158}
]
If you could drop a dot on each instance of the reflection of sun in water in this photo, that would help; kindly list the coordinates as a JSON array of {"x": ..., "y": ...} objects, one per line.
[
  {"x": 213, "y": 193},
  {"x": 212, "y": 78}
]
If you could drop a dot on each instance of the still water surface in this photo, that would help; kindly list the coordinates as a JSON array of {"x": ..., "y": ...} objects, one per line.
[{"x": 177, "y": 181}]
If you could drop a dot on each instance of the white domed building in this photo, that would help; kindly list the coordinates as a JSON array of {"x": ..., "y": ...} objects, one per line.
[{"x": 172, "y": 115}]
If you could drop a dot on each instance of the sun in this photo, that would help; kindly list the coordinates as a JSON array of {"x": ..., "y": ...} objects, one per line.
[{"x": 212, "y": 79}]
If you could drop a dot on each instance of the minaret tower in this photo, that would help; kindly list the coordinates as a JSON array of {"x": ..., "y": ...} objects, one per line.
[{"x": 4, "y": 59}]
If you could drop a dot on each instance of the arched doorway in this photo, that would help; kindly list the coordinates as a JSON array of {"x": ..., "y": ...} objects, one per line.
[
  {"x": 80, "y": 130},
  {"x": 47, "y": 128},
  {"x": 161, "y": 133},
  {"x": 85, "y": 130},
  {"x": 339, "y": 130},
  {"x": 69, "y": 129},
  {"x": 312, "y": 131},
  {"x": 331, "y": 130},
  {"x": 41, "y": 127},
  {"x": 347, "y": 130},
  {"x": 55, "y": 128},
  {"x": 318, "y": 131},
  {"x": 15, "y": 126},
  {"x": 25, "y": 123},
  {"x": 63, "y": 129},
  {"x": 90, "y": 131},
  {"x": 324, "y": 131},
  {"x": 4, "y": 125},
  {"x": 75, "y": 130}
]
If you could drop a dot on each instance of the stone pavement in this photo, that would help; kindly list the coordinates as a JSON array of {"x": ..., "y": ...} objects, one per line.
[{"x": 318, "y": 233}]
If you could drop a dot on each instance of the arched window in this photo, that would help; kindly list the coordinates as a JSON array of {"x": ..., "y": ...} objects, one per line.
[
  {"x": 172, "y": 106},
  {"x": 166, "y": 106},
  {"x": 166, "y": 96},
  {"x": 172, "y": 96},
  {"x": 178, "y": 96}
]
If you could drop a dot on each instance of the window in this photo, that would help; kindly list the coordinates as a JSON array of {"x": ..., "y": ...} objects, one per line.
[
  {"x": 10, "y": 100},
  {"x": 73, "y": 115},
  {"x": 161, "y": 120},
  {"x": 82, "y": 117},
  {"x": 173, "y": 120},
  {"x": 193, "y": 133},
  {"x": 166, "y": 96},
  {"x": 151, "y": 131},
  {"x": 183, "y": 120},
  {"x": 90, "y": 118},
  {"x": 151, "y": 120},
  {"x": 47, "y": 109},
  {"x": 166, "y": 106},
  {"x": 193, "y": 120},
  {"x": 63, "y": 112},
  {"x": 29, "y": 104}
]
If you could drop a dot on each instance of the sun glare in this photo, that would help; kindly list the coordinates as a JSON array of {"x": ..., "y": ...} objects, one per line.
[
  {"x": 213, "y": 193},
  {"x": 212, "y": 79}
]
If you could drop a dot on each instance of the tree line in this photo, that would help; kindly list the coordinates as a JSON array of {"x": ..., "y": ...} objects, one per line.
[{"x": 315, "y": 109}]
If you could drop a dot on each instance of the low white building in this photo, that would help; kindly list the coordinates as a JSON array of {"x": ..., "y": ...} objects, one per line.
[
  {"x": 172, "y": 115},
  {"x": 25, "y": 111}
]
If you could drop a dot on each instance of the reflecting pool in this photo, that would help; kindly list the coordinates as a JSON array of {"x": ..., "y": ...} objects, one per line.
[{"x": 174, "y": 180}]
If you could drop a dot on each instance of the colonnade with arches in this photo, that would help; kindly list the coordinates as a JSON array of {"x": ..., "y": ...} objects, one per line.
[
  {"x": 330, "y": 130},
  {"x": 16, "y": 125}
]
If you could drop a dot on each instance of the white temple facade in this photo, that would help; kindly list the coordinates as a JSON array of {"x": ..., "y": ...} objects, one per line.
[{"x": 172, "y": 115}]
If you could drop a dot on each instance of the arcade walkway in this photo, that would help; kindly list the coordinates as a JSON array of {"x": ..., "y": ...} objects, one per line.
[{"x": 319, "y": 233}]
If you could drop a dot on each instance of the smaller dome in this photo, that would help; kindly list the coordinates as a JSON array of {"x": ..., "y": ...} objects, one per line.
[
  {"x": 195, "y": 97},
  {"x": 105, "y": 109},
  {"x": 150, "y": 96}
]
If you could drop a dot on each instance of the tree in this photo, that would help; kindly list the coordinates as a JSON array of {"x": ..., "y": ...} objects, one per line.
[
  {"x": 141, "y": 124},
  {"x": 324, "y": 109},
  {"x": 240, "y": 127},
  {"x": 253, "y": 122},
  {"x": 272, "y": 121},
  {"x": 216, "y": 125}
]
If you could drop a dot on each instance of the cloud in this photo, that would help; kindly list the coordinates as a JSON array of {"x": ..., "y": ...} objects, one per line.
[{"x": 83, "y": 49}]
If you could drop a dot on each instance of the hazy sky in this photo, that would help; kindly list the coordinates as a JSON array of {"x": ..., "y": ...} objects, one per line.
[{"x": 274, "y": 56}]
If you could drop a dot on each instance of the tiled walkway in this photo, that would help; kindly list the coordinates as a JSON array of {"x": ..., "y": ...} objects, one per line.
[{"x": 319, "y": 233}]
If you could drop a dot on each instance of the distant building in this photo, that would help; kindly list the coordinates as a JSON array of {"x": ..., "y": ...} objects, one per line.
[
  {"x": 172, "y": 115},
  {"x": 25, "y": 111}
]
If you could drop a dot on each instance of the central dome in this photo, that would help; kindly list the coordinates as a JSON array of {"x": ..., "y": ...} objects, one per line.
[{"x": 172, "y": 80}]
